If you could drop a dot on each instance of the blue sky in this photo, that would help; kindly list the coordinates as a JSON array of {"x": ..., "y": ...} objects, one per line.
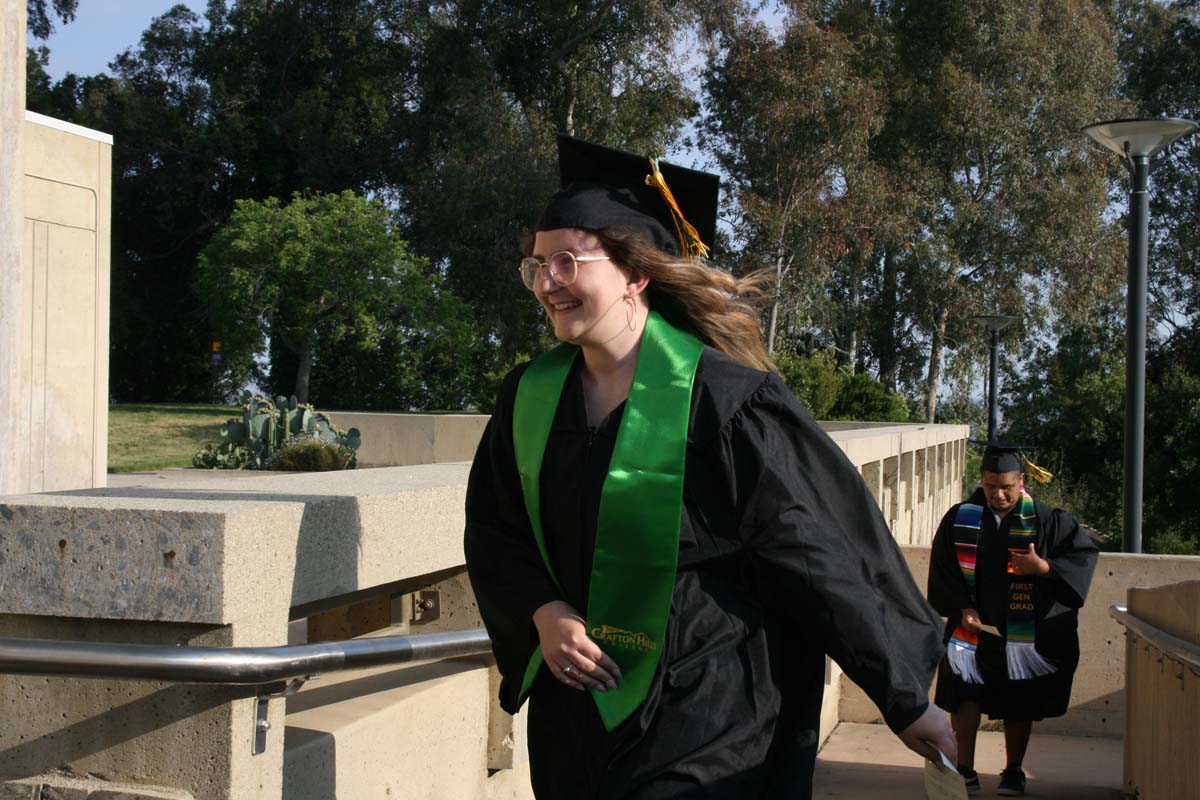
[{"x": 101, "y": 30}]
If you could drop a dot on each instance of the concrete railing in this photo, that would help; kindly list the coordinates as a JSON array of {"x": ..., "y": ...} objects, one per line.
[
  {"x": 914, "y": 471},
  {"x": 210, "y": 559},
  {"x": 1162, "y": 684},
  {"x": 399, "y": 440}
]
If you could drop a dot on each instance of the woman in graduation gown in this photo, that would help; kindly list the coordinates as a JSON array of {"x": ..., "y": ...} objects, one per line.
[{"x": 662, "y": 542}]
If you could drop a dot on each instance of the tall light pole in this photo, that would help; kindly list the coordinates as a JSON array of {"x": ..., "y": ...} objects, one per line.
[
  {"x": 994, "y": 323},
  {"x": 1136, "y": 141}
]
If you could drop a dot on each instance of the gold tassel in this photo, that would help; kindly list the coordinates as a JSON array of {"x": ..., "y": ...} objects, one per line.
[
  {"x": 1039, "y": 474},
  {"x": 689, "y": 238}
]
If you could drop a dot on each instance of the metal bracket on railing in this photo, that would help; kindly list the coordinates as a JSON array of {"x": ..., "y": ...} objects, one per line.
[
  {"x": 426, "y": 606},
  {"x": 262, "y": 705}
]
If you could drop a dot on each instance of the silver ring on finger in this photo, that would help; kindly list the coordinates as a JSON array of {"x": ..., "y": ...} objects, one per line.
[{"x": 568, "y": 669}]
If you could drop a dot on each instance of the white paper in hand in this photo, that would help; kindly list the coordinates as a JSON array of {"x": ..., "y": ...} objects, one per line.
[{"x": 944, "y": 784}]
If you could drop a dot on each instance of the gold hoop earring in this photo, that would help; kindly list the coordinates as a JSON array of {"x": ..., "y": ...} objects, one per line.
[{"x": 630, "y": 314}]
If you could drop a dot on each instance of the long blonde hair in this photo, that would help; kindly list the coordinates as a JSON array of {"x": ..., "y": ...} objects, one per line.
[{"x": 715, "y": 306}]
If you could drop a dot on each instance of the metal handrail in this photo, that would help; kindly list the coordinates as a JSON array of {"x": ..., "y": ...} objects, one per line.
[
  {"x": 245, "y": 666},
  {"x": 1179, "y": 649}
]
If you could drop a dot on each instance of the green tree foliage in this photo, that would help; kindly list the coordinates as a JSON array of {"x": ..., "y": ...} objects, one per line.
[
  {"x": 1069, "y": 395},
  {"x": 330, "y": 278},
  {"x": 445, "y": 111},
  {"x": 923, "y": 162},
  {"x": 37, "y": 16},
  {"x": 1160, "y": 50},
  {"x": 816, "y": 380},
  {"x": 1071, "y": 403},
  {"x": 790, "y": 124},
  {"x": 256, "y": 100},
  {"x": 831, "y": 392},
  {"x": 864, "y": 398},
  {"x": 492, "y": 83}
]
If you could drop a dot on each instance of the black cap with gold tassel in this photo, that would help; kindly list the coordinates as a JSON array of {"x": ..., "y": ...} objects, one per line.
[
  {"x": 1001, "y": 457},
  {"x": 671, "y": 207}
]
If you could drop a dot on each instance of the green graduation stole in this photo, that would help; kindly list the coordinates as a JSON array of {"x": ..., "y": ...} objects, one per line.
[
  {"x": 637, "y": 530},
  {"x": 1024, "y": 661}
]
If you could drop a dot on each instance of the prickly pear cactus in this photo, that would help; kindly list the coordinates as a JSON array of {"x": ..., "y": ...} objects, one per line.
[{"x": 265, "y": 427}]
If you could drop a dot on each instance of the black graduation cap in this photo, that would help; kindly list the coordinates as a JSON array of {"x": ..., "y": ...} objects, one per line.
[
  {"x": 999, "y": 456},
  {"x": 671, "y": 207}
]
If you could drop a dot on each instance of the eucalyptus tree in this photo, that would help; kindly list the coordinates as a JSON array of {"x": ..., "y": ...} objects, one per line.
[
  {"x": 1160, "y": 52},
  {"x": 38, "y": 15},
  {"x": 986, "y": 104},
  {"x": 790, "y": 124}
]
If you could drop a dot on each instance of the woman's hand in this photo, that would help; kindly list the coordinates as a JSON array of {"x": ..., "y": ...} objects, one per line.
[
  {"x": 931, "y": 730},
  {"x": 573, "y": 658},
  {"x": 970, "y": 619}
]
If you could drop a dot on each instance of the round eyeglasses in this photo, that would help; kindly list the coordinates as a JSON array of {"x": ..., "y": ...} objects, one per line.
[{"x": 563, "y": 265}]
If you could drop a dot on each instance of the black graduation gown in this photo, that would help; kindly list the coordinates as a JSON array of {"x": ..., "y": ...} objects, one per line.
[
  {"x": 783, "y": 557},
  {"x": 1057, "y": 597}
]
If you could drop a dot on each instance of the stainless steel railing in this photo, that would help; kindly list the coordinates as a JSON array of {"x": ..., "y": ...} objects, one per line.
[
  {"x": 229, "y": 665},
  {"x": 1179, "y": 649},
  {"x": 276, "y": 672}
]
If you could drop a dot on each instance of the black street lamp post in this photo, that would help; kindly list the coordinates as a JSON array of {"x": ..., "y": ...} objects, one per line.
[
  {"x": 1136, "y": 141},
  {"x": 994, "y": 323}
]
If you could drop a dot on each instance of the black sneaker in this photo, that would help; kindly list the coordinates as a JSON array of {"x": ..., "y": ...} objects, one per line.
[
  {"x": 1012, "y": 783},
  {"x": 971, "y": 778}
]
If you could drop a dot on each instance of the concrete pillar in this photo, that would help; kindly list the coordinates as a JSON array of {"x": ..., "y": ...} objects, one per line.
[
  {"x": 908, "y": 507},
  {"x": 14, "y": 352}
]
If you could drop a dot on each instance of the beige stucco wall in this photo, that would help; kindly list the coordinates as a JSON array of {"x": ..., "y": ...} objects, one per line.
[
  {"x": 14, "y": 355},
  {"x": 63, "y": 278}
]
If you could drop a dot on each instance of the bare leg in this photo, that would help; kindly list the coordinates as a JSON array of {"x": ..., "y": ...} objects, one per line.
[
  {"x": 965, "y": 722},
  {"x": 1016, "y": 740}
]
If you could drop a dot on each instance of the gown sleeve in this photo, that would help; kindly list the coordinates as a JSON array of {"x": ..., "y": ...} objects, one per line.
[
  {"x": 821, "y": 555},
  {"x": 1072, "y": 555},
  {"x": 948, "y": 592},
  {"x": 506, "y": 570}
]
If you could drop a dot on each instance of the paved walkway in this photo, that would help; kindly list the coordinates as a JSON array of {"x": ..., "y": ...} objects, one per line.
[{"x": 864, "y": 762}]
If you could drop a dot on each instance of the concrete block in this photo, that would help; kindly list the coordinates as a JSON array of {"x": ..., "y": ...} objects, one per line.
[
  {"x": 191, "y": 738},
  {"x": 408, "y": 439},
  {"x": 217, "y": 552},
  {"x": 379, "y": 733},
  {"x": 18, "y": 791}
]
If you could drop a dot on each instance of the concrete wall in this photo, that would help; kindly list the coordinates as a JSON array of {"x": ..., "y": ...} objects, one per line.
[
  {"x": 1098, "y": 695},
  {"x": 399, "y": 440},
  {"x": 54, "y": 302},
  {"x": 14, "y": 358}
]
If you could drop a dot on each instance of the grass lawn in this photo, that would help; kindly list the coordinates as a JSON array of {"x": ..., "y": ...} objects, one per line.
[{"x": 149, "y": 437}]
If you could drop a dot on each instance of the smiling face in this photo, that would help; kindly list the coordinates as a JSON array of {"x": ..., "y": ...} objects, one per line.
[{"x": 589, "y": 311}]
